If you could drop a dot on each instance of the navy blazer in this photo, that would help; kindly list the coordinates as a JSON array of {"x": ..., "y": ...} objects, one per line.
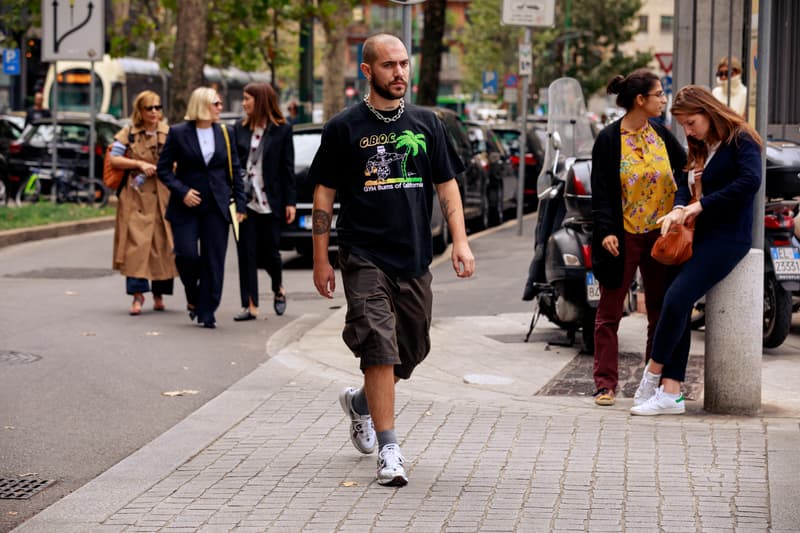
[
  {"x": 277, "y": 163},
  {"x": 607, "y": 196},
  {"x": 730, "y": 182},
  {"x": 212, "y": 181}
]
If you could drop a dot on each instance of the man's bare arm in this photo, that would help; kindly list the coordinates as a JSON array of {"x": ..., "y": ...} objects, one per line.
[
  {"x": 453, "y": 211},
  {"x": 321, "y": 216}
]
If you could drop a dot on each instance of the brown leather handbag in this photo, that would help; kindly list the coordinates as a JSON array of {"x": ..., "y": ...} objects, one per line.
[{"x": 675, "y": 247}]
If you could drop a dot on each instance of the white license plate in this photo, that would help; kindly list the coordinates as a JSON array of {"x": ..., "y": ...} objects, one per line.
[
  {"x": 786, "y": 261},
  {"x": 306, "y": 222},
  {"x": 592, "y": 288}
]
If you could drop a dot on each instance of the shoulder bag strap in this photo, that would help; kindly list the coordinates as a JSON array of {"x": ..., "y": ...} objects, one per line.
[{"x": 228, "y": 148}]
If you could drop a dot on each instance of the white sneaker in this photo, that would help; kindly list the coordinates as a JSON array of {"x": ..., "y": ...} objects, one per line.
[
  {"x": 390, "y": 467},
  {"x": 362, "y": 432},
  {"x": 647, "y": 389},
  {"x": 660, "y": 404}
]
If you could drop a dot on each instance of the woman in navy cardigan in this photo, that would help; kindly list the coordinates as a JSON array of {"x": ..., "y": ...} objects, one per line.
[
  {"x": 725, "y": 157},
  {"x": 194, "y": 165}
]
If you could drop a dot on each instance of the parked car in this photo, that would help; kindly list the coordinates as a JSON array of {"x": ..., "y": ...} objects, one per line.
[
  {"x": 34, "y": 148},
  {"x": 536, "y": 140},
  {"x": 297, "y": 235},
  {"x": 10, "y": 130},
  {"x": 501, "y": 189},
  {"x": 474, "y": 180}
]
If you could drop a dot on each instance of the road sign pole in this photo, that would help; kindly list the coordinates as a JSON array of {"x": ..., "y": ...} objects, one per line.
[{"x": 523, "y": 139}]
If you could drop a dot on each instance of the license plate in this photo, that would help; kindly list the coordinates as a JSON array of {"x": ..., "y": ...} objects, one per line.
[
  {"x": 306, "y": 222},
  {"x": 592, "y": 288},
  {"x": 786, "y": 261}
]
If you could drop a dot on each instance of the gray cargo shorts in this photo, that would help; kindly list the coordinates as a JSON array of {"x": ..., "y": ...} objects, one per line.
[{"x": 388, "y": 320}]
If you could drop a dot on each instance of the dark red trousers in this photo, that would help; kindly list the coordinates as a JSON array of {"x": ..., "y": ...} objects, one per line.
[{"x": 609, "y": 310}]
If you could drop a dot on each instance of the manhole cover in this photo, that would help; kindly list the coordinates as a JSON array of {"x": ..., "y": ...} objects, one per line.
[
  {"x": 21, "y": 488},
  {"x": 63, "y": 273},
  {"x": 576, "y": 379},
  {"x": 11, "y": 357}
]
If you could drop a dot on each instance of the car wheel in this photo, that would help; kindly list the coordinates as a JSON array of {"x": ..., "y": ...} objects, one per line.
[
  {"x": 495, "y": 211},
  {"x": 777, "y": 313}
]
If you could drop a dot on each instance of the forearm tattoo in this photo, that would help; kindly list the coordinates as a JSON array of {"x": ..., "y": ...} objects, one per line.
[
  {"x": 445, "y": 205},
  {"x": 321, "y": 222}
]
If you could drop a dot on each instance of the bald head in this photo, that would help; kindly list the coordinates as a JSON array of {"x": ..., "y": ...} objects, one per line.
[{"x": 373, "y": 42}]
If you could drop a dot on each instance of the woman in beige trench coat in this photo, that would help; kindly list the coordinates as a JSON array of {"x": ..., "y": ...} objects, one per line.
[{"x": 143, "y": 248}]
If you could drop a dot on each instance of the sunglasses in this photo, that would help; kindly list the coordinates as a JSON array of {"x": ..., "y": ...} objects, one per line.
[
  {"x": 153, "y": 108},
  {"x": 216, "y": 103}
]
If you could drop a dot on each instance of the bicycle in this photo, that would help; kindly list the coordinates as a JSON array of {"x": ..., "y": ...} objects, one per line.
[{"x": 69, "y": 188}]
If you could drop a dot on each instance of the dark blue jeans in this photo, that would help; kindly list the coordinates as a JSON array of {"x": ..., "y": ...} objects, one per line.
[
  {"x": 712, "y": 260},
  {"x": 160, "y": 286}
]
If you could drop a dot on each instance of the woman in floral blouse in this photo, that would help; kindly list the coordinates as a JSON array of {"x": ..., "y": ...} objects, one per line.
[{"x": 636, "y": 163}]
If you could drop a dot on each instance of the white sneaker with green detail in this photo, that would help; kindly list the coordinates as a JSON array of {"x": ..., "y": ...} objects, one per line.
[{"x": 661, "y": 403}]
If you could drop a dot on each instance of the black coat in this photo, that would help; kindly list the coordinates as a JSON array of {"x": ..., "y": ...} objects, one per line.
[
  {"x": 277, "y": 163},
  {"x": 607, "y": 196},
  {"x": 213, "y": 181}
]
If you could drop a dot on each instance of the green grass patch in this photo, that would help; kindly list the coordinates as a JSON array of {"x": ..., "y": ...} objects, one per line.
[{"x": 43, "y": 213}]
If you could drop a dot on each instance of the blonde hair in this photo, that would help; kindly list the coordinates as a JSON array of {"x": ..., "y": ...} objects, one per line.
[
  {"x": 724, "y": 124},
  {"x": 201, "y": 98},
  {"x": 734, "y": 65},
  {"x": 137, "y": 118}
]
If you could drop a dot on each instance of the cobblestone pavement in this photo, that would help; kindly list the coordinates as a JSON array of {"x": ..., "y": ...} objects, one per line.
[{"x": 491, "y": 457}]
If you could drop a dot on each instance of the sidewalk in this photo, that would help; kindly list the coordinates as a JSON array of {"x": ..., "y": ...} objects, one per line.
[{"x": 484, "y": 452}]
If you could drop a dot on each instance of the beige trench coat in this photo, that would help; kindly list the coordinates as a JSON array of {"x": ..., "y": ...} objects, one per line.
[{"x": 143, "y": 245}]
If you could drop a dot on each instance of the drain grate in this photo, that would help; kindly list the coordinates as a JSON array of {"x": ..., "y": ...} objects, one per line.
[{"x": 22, "y": 488}]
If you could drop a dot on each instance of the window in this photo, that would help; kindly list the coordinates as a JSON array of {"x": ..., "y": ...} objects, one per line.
[
  {"x": 643, "y": 20},
  {"x": 667, "y": 23}
]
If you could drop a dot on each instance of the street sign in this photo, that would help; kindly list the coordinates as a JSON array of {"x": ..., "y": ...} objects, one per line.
[
  {"x": 11, "y": 63},
  {"x": 490, "y": 82},
  {"x": 541, "y": 13},
  {"x": 666, "y": 84},
  {"x": 665, "y": 61},
  {"x": 73, "y": 30},
  {"x": 511, "y": 80},
  {"x": 525, "y": 60}
]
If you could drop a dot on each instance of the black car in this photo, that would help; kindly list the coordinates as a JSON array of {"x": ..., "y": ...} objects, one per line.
[
  {"x": 501, "y": 189},
  {"x": 34, "y": 148},
  {"x": 297, "y": 235},
  {"x": 536, "y": 142},
  {"x": 10, "y": 130}
]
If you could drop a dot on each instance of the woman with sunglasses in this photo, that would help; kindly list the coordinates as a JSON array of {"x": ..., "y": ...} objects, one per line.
[
  {"x": 266, "y": 152},
  {"x": 142, "y": 236},
  {"x": 200, "y": 167},
  {"x": 635, "y": 164},
  {"x": 730, "y": 90}
]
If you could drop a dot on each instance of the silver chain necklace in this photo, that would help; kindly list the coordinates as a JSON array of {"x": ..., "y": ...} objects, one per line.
[{"x": 377, "y": 113}]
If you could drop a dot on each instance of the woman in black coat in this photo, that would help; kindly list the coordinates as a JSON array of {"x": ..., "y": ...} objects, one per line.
[
  {"x": 195, "y": 166},
  {"x": 264, "y": 145},
  {"x": 636, "y": 163}
]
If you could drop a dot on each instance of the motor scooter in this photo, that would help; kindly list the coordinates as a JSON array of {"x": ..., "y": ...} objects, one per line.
[{"x": 560, "y": 281}]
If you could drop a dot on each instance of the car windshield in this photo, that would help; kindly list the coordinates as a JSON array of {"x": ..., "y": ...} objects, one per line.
[
  {"x": 42, "y": 134},
  {"x": 305, "y": 147}
]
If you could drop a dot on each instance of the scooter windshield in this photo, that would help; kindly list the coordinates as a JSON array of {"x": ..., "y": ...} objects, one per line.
[{"x": 566, "y": 114}]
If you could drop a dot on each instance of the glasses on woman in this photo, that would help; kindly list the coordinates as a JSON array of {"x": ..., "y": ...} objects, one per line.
[
  {"x": 722, "y": 73},
  {"x": 216, "y": 103},
  {"x": 657, "y": 94},
  {"x": 153, "y": 108}
]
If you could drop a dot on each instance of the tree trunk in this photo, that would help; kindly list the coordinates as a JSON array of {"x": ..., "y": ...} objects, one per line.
[
  {"x": 431, "y": 61},
  {"x": 188, "y": 57},
  {"x": 335, "y": 26}
]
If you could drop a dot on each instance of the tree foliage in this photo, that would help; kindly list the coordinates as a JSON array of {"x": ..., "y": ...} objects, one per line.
[
  {"x": 587, "y": 49},
  {"x": 19, "y": 16}
]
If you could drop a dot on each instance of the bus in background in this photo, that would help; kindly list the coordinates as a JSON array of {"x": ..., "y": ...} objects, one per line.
[{"x": 119, "y": 80}]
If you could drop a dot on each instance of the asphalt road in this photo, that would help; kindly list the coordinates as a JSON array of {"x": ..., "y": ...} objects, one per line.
[{"x": 82, "y": 382}]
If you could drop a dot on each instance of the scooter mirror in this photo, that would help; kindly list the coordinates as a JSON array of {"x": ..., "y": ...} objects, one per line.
[{"x": 555, "y": 140}]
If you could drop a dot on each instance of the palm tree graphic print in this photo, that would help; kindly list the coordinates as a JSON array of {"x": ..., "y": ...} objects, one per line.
[
  {"x": 412, "y": 143},
  {"x": 379, "y": 165}
]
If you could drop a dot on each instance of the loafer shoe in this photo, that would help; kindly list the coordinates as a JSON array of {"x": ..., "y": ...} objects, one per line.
[
  {"x": 279, "y": 304},
  {"x": 209, "y": 325},
  {"x": 244, "y": 315}
]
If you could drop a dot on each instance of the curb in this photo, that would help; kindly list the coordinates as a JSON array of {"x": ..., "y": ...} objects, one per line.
[{"x": 48, "y": 231}]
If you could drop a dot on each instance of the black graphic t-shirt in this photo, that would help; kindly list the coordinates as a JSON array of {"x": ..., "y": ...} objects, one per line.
[{"x": 384, "y": 175}]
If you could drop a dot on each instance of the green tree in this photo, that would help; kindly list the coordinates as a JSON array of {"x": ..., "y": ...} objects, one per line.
[
  {"x": 187, "y": 61},
  {"x": 412, "y": 142},
  {"x": 431, "y": 48}
]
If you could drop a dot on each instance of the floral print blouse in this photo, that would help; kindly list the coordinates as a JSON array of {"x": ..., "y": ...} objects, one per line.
[{"x": 648, "y": 186}]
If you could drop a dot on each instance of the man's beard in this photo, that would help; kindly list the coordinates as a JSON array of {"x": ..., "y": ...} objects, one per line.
[{"x": 385, "y": 93}]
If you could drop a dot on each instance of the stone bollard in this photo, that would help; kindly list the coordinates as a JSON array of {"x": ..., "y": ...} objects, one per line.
[{"x": 734, "y": 323}]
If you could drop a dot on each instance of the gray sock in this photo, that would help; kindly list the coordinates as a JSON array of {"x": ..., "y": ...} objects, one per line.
[
  {"x": 360, "y": 405},
  {"x": 386, "y": 437}
]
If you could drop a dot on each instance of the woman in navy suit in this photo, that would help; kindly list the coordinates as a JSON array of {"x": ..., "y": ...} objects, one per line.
[
  {"x": 725, "y": 168},
  {"x": 194, "y": 165},
  {"x": 266, "y": 152}
]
